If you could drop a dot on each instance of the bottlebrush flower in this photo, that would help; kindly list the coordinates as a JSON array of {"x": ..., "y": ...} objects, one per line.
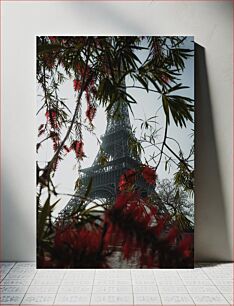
[
  {"x": 127, "y": 179},
  {"x": 87, "y": 95},
  {"x": 149, "y": 175},
  {"x": 172, "y": 234},
  {"x": 78, "y": 147},
  {"x": 82, "y": 70},
  {"x": 76, "y": 85},
  {"x": 51, "y": 116},
  {"x": 162, "y": 220},
  {"x": 80, "y": 240},
  {"x": 132, "y": 222},
  {"x": 52, "y": 39},
  {"x": 90, "y": 112},
  {"x": 128, "y": 248},
  {"x": 123, "y": 198}
]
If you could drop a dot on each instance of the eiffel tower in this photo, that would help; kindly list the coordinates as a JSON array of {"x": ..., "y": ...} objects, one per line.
[{"x": 104, "y": 178}]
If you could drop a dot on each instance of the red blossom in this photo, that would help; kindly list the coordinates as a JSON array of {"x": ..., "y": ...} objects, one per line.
[
  {"x": 147, "y": 260},
  {"x": 160, "y": 225},
  {"x": 51, "y": 116},
  {"x": 76, "y": 85},
  {"x": 149, "y": 175},
  {"x": 90, "y": 112},
  {"x": 128, "y": 249},
  {"x": 93, "y": 90},
  {"x": 78, "y": 147},
  {"x": 52, "y": 39},
  {"x": 132, "y": 223},
  {"x": 127, "y": 179},
  {"x": 82, "y": 69},
  {"x": 55, "y": 163},
  {"x": 49, "y": 60},
  {"x": 123, "y": 198},
  {"x": 56, "y": 140},
  {"x": 165, "y": 78},
  {"x": 172, "y": 234},
  {"x": 131, "y": 208},
  {"x": 87, "y": 95},
  {"x": 80, "y": 240},
  {"x": 185, "y": 245},
  {"x": 109, "y": 233}
]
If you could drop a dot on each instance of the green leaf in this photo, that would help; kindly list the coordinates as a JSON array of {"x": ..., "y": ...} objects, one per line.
[
  {"x": 142, "y": 81},
  {"x": 177, "y": 87},
  {"x": 166, "y": 107},
  {"x": 43, "y": 216}
]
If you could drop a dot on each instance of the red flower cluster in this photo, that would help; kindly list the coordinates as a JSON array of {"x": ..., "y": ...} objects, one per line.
[
  {"x": 82, "y": 70},
  {"x": 172, "y": 234},
  {"x": 90, "y": 112},
  {"x": 127, "y": 179},
  {"x": 132, "y": 220},
  {"x": 76, "y": 85},
  {"x": 186, "y": 245},
  {"x": 91, "y": 108},
  {"x": 79, "y": 247},
  {"x": 149, "y": 174},
  {"x": 51, "y": 116},
  {"x": 78, "y": 147},
  {"x": 56, "y": 140},
  {"x": 80, "y": 240}
]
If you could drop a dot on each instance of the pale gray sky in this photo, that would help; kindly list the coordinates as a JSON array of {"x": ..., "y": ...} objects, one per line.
[{"x": 147, "y": 105}]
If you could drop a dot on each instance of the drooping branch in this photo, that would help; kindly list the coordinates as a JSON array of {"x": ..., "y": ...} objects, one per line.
[
  {"x": 163, "y": 144},
  {"x": 49, "y": 167}
]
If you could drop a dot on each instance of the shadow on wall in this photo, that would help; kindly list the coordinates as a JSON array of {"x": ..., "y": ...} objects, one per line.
[
  {"x": 18, "y": 215},
  {"x": 211, "y": 232}
]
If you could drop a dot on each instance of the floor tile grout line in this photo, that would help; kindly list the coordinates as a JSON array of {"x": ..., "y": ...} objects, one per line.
[
  {"x": 157, "y": 287},
  {"x": 216, "y": 285},
  {"x": 133, "y": 299},
  {"x": 187, "y": 288},
  {"x": 184, "y": 284},
  {"x": 28, "y": 287},
  {"x": 14, "y": 263},
  {"x": 154, "y": 276},
  {"x": 59, "y": 287},
  {"x": 92, "y": 287},
  {"x": 207, "y": 274},
  {"x": 224, "y": 295}
]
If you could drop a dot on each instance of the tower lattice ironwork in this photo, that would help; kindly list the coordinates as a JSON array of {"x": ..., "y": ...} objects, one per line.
[{"x": 115, "y": 147}]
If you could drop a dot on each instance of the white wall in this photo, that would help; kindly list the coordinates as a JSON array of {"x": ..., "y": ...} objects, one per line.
[{"x": 211, "y": 24}]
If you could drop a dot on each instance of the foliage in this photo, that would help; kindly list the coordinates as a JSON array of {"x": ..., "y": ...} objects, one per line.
[
  {"x": 97, "y": 67},
  {"x": 177, "y": 201},
  {"x": 150, "y": 237}
]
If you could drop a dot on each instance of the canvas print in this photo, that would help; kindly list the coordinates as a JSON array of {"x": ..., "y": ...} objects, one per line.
[{"x": 115, "y": 152}]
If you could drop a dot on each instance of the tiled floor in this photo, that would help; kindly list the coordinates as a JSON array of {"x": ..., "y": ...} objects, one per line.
[{"x": 207, "y": 284}]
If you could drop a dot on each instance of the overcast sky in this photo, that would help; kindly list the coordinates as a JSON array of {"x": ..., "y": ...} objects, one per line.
[{"x": 148, "y": 104}]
